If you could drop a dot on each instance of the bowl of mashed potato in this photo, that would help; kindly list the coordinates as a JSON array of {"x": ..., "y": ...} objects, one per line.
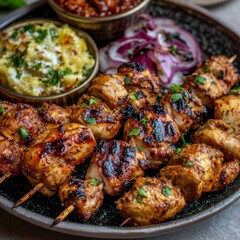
[{"x": 45, "y": 60}]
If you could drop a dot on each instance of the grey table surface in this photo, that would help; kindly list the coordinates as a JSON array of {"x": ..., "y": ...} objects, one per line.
[{"x": 224, "y": 226}]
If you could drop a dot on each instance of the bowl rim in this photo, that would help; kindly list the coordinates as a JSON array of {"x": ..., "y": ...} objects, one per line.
[
  {"x": 90, "y": 43},
  {"x": 94, "y": 20}
]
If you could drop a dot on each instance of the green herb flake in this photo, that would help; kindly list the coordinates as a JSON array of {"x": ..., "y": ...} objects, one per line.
[
  {"x": 127, "y": 80},
  {"x": 183, "y": 140},
  {"x": 134, "y": 96},
  {"x": 19, "y": 74},
  {"x": 139, "y": 200},
  {"x": 188, "y": 164},
  {"x": 2, "y": 110},
  {"x": 142, "y": 192},
  {"x": 86, "y": 69},
  {"x": 160, "y": 95},
  {"x": 14, "y": 34},
  {"x": 166, "y": 191},
  {"x": 82, "y": 104},
  {"x": 130, "y": 52},
  {"x": 90, "y": 120},
  {"x": 54, "y": 80},
  {"x": 36, "y": 67},
  {"x": 173, "y": 50},
  {"x": 92, "y": 101},
  {"x": 206, "y": 69},
  {"x": 176, "y": 96},
  {"x": 213, "y": 83},
  {"x": 53, "y": 33},
  {"x": 39, "y": 109},
  {"x": 42, "y": 34},
  {"x": 29, "y": 28},
  {"x": 94, "y": 182},
  {"x": 234, "y": 90},
  {"x": 23, "y": 133},
  {"x": 140, "y": 148},
  {"x": 176, "y": 88},
  {"x": 134, "y": 132},
  {"x": 178, "y": 151},
  {"x": 200, "y": 80},
  {"x": 17, "y": 60},
  {"x": 159, "y": 72},
  {"x": 144, "y": 121}
]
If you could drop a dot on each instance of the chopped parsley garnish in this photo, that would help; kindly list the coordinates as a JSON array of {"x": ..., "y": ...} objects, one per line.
[
  {"x": 23, "y": 133},
  {"x": 188, "y": 164},
  {"x": 94, "y": 181},
  {"x": 86, "y": 69},
  {"x": 144, "y": 121},
  {"x": 54, "y": 80},
  {"x": 65, "y": 72},
  {"x": 82, "y": 104},
  {"x": 160, "y": 95},
  {"x": 36, "y": 67},
  {"x": 90, "y": 120},
  {"x": 176, "y": 96},
  {"x": 134, "y": 132},
  {"x": 14, "y": 34},
  {"x": 213, "y": 83},
  {"x": 142, "y": 192},
  {"x": 166, "y": 191},
  {"x": 183, "y": 140},
  {"x": 29, "y": 28},
  {"x": 92, "y": 101},
  {"x": 18, "y": 60},
  {"x": 53, "y": 33},
  {"x": 42, "y": 34},
  {"x": 19, "y": 74},
  {"x": 134, "y": 96},
  {"x": 207, "y": 69},
  {"x": 178, "y": 151},
  {"x": 176, "y": 88},
  {"x": 234, "y": 90},
  {"x": 140, "y": 148},
  {"x": 127, "y": 80},
  {"x": 200, "y": 80},
  {"x": 159, "y": 72},
  {"x": 130, "y": 51},
  {"x": 173, "y": 50},
  {"x": 1, "y": 110}
]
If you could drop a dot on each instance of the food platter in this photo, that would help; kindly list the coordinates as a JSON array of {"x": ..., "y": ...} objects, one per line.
[{"x": 214, "y": 38}]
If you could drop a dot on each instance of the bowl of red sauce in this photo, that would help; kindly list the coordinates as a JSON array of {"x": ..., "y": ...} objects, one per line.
[{"x": 102, "y": 19}]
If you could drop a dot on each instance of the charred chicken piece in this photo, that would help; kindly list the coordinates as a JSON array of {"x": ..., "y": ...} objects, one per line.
[
  {"x": 227, "y": 109},
  {"x": 212, "y": 80},
  {"x": 85, "y": 195},
  {"x": 21, "y": 124},
  {"x": 115, "y": 163},
  {"x": 52, "y": 156},
  {"x": 96, "y": 115},
  {"x": 194, "y": 170},
  {"x": 5, "y": 107},
  {"x": 230, "y": 170},
  {"x": 139, "y": 83},
  {"x": 152, "y": 130},
  {"x": 150, "y": 201},
  {"x": 184, "y": 107},
  {"x": 110, "y": 89},
  {"x": 220, "y": 135},
  {"x": 53, "y": 114},
  {"x": 10, "y": 157}
]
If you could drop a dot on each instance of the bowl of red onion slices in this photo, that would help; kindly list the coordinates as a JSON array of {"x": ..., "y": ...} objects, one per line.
[{"x": 158, "y": 43}]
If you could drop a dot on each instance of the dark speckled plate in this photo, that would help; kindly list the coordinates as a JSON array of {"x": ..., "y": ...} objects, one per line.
[{"x": 214, "y": 38}]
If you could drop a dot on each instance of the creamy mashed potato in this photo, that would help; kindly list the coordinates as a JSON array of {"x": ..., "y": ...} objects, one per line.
[{"x": 43, "y": 59}]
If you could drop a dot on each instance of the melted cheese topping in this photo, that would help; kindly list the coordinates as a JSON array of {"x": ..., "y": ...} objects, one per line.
[{"x": 43, "y": 59}]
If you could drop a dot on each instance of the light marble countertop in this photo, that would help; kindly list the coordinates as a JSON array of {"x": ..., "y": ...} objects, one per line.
[{"x": 224, "y": 226}]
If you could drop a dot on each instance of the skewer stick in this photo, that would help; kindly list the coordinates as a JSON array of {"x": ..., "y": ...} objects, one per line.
[
  {"x": 232, "y": 59},
  {"x": 125, "y": 222},
  {"x": 4, "y": 177},
  {"x": 28, "y": 195},
  {"x": 63, "y": 215}
]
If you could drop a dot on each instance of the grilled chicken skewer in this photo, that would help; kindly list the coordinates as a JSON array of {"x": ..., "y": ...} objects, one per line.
[
  {"x": 82, "y": 196},
  {"x": 154, "y": 132},
  {"x": 115, "y": 163},
  {"x": 53, "y": 155}
]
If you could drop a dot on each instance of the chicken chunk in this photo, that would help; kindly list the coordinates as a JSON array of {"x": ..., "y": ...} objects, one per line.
[
  {"x": 52, "y": 156},
  {"x": 85, "y": 195},
  {"x": 139, "y": 83},
  {"x": 230, "y": 171},
  {"x": 184, "y": 107},
  {"x": 212, "y": 80},
  {"x": 10, "y": 157},
  {"x": 220, "y": 135},
  {"x": 154, "y": 132},
  {"x": 150, "y": 201},
  {"x": 227, "y": 109},
  {"x": 53, "y": 114},
  {"x": 5, "y": 107},
  {"x": 96, "y": 115},
  {"x": 21, "y": 124},
  {"x": 110, "y": 89},
  {"x": 194, "y": 170},
  {"x": 116, "y": 164}
]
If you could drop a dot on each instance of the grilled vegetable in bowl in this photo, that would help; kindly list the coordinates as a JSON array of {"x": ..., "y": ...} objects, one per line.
[{"x": 45, "y": 60}]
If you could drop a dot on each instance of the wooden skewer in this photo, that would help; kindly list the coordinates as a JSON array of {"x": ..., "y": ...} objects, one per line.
[
  {"x": 125, "y": 222},
  {"x": 232, "y": 59},
  {"x": 63, "y": 215},
  {"x": 28, "y": 195},
  {"x": 4, "y": 177}
]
